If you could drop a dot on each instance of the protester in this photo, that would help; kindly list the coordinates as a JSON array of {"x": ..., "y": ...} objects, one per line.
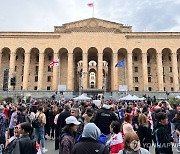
[
  {"x": 103, "y": 119},
  {"x": 132, "y": 145},
  {"x": 13, "y": 121},
  {"x": 163, "y": 138},
  {"x": 24, "y": 144},
  {"x": 2, "y": 126},
  {"x": 40, "y": 132},
  {"x": 116, "y": 141},
  {"x": 144, "y": 132},
  {"x": 89, "y": 142},
  {"x": 126, "y": 125},
  {"x": 67, "y": 140}
]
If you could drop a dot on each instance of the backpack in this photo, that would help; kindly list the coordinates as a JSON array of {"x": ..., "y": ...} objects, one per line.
[
  {"x": 35, "y": 122},
  {"x": 9, "y": 149}
]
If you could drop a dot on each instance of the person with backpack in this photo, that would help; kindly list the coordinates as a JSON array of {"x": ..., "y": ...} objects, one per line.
[
  {"x": 2, "y": 126},
  {"x": 39, "y": 130},
  {"x": 162, "y": 137}
]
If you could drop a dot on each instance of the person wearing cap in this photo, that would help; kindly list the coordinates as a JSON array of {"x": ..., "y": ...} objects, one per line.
[
  {"x": 89, "y": 142},
  {"x": 67, "y": 139}
]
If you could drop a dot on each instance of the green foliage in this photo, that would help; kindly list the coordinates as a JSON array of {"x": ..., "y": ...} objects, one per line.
[
  {"x": 2, "y": 99},
  {"x": 174, "y": 101}
]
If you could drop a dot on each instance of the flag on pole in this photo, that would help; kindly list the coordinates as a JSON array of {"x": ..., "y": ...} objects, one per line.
[
  {"x": 120, "y": 63},
  {"x": 90, "y": 4},
  {"x": 54, "y": 63}
]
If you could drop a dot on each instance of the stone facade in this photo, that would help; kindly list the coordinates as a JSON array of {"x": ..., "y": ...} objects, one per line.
[{"x": 151, "y": 59}]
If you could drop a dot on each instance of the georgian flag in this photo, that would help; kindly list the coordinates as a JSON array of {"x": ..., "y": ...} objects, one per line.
[
  {"x": 54, "y": 63},
  {"x": 90, "y": 4}
]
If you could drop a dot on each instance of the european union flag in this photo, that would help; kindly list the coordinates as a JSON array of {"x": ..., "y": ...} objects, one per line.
[{"x": 120, "y": 63}]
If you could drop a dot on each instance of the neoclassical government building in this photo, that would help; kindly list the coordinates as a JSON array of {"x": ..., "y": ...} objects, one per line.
[{"x": 88, "y": 51}]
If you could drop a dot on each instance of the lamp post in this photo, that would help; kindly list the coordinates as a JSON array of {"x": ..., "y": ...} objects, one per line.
[{"x": 80, "y": 84}]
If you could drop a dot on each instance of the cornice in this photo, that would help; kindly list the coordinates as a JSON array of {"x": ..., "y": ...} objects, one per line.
[
  {"x": 158, "y": 35},
  {"x": 30, "y": 35}
]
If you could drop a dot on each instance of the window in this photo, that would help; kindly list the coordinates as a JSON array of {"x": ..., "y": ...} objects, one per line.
[
  {"x": 172, "y": 89},
  {"x": 135, "y": 58},
  {"x": 149, "y": 70},
  {"x": 36, "y": 69},
  {"x": 136, "y": 88},
  {"x": 48, "y": 88},
  {"x": 50, "y": 57},
  {"x": 49, "y": 79},
  {"x": 163, "y": 71},
  {"x": 136, "y": 69},
  {"x": 15, "y": 68},
  {"x": 16, "y": 57},
  {"x": 21, "y": 88},
  {"x": 35, "y": 88},
  {"x": 149, "y": 79},
  {"x": 36, "y": 79},
  {"x": 164, "y": 79},
  {"x": 49, "y": 69},
  {"x": 171, "y": 79},
  {"x": 170, "y": 69},
  {"x": 22, "y": 78},
  {"x": 22, "y": 69},
  {"x": 169, "y": 58},
  {"x": 150, "y": 88},
  {"x": 135, "y": 79},
  {"x": 37, "y": 58},
  {"x": 164, "y": 88},
  {"x": 148, "y": 59}
]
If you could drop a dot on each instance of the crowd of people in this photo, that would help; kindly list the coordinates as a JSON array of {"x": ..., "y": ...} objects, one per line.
[{"x": 84, "y": 128}]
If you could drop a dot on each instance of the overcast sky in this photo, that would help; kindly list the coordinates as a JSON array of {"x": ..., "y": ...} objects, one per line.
[{"x": 43, "y": 15}]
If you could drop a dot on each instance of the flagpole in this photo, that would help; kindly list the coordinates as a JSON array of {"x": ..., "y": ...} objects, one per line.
[
  {"x": 125, "y": 75},
  {"x": 93, "y": 10}
]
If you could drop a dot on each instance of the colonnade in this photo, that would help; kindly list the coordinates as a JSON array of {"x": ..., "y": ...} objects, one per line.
[{"x": 114, "y": 71}]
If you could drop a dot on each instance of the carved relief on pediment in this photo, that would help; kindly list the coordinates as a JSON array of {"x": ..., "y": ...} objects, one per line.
[{"x": 92, "y": 25}]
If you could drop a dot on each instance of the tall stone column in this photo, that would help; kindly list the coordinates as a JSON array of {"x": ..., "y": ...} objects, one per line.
[
  {"x": 85, "y": 71},
  {"x": 175, "y": 71},
  {"x": 56, "y": 73},
  {"x": 70, "y": 77},
  {"x": 41, "y": 71},
  {"x": 26, "y": 71},
  {"x": 0, "y": 63},
  {"x": 130, "y": 71},
  {"x": 144, "y": 69},
  {"x": 11, "y": 69},
  {"x": 160, "y": 71},
  {"x": 100, "y": 70},
  {"x": 114, "y": 70}
]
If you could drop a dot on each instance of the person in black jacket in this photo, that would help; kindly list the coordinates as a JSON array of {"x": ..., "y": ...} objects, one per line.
[
  {"x": 61, "y": 121},
  {"x": 24, "y": 144},
  {"x": 89, "y": 142},
  {"x": 162, "y": 136},
  {"x": 103, "y": 119},
  {"x": 144, "y": 132}
]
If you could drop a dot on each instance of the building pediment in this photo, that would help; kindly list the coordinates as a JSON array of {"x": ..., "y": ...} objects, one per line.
[{"x": 92, "y": 25}]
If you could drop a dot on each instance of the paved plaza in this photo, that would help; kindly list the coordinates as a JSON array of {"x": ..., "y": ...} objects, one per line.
[{"x": 50, "y": 147}]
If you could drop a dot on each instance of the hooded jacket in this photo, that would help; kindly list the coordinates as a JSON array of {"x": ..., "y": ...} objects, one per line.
[{"x": 89, "y": 143}]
